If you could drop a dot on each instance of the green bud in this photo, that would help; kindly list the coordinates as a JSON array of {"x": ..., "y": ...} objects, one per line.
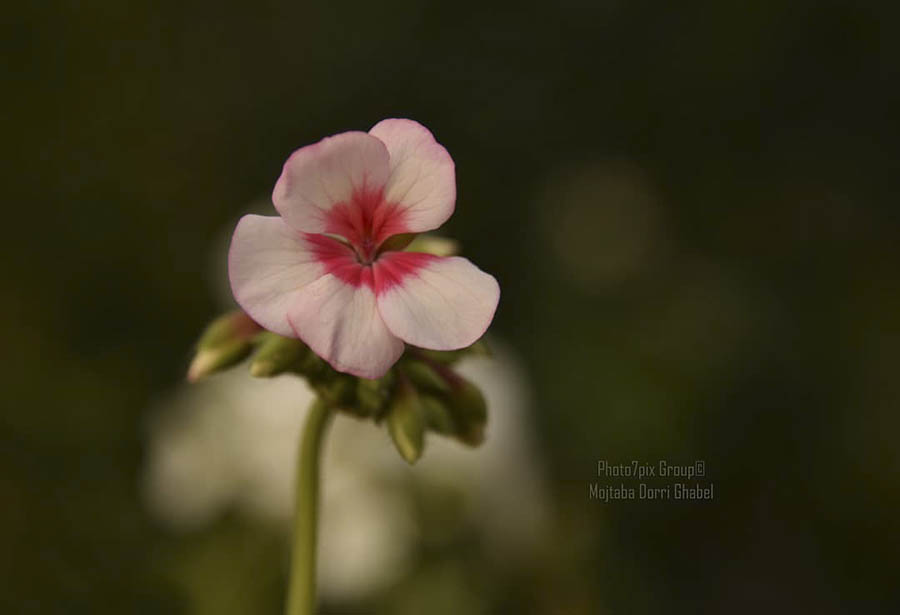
[
  {"x": 340, "y": 392},
  {"x": 398, "y": 242},
  {"x": 432, "y": 244},
  {"x": 438, "y": 415},
  {"x": 406, "y": 424},
  {"x": 455, "y": 406},
  {"x": 231, "y": 326},
  {"x": 314, "y": 367},
  {"x": 372, "y": 395},
  {"x": 225, "y": 342},
  {"x": 424, "y": 376},
  {"x": 470, "y": 411},
  {"x": 276, "y": 355}
]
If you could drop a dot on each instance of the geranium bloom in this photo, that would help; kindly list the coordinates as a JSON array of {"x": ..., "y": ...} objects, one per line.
[{"x": 321, "y": 271}]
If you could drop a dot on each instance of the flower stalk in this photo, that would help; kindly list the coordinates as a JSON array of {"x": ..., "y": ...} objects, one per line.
[{"x": 301, "y": 598}]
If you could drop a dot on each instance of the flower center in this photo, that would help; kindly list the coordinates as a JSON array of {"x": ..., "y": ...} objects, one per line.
[
  {"x": 366, "y": 251},
  {"x": 365, "y": 221}
]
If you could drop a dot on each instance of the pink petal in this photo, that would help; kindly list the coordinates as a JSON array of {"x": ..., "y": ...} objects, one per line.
[
  {"x": 268, "y": 263},
  {"x": 423, "y": 177},
  {"x": 338, "y": 318},
  {"x": 434, "y": 302},
  {"x": 320, "y": 180}
]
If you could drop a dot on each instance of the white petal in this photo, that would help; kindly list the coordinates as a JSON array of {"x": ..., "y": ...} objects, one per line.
[
  {"x": 423, "y": 176},
  {"x": 338, "y": 170},
  {"x": 340, "y": 322},
  {"x": 434, "y": 302},
  {"x": 267, "y": 264}
]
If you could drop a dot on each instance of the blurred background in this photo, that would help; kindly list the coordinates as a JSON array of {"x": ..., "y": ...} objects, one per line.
[{"x": 691, "y": 209}]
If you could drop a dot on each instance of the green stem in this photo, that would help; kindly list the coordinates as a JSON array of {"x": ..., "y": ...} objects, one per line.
[{"x": 302, "y": 589}]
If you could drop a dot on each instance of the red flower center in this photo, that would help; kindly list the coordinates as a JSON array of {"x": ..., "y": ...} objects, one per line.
[{"x": 365, "y": 221}]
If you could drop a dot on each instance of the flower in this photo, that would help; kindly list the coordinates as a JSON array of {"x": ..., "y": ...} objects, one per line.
[{"x": 327, "y": 269}]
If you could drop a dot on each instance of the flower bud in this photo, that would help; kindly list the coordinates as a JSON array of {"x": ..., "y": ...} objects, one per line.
[
  {"x": 372, "y": 395},
  {"x": 314, "y": 368},
  {"x": 454, "y": 405},
  {"x": 406, "y": 423},
  {"x": 438, "y": 416},
  {"x": 276, "y": 355},
  {"x": 433, "y": 244},
  {"x": 398, "y": 242},
  {"x": 469, "y": 409},
  {"x": 340, "y": 392},
  {"x": 425, "y": 377},
  {"x": 225, "y": 342}
]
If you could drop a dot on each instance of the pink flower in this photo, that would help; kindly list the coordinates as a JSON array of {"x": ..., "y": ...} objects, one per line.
[{"x": 322, "y": 272}]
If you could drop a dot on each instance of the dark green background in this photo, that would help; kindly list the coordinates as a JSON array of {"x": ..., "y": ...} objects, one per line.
[{"x": 761, "y": 334}]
